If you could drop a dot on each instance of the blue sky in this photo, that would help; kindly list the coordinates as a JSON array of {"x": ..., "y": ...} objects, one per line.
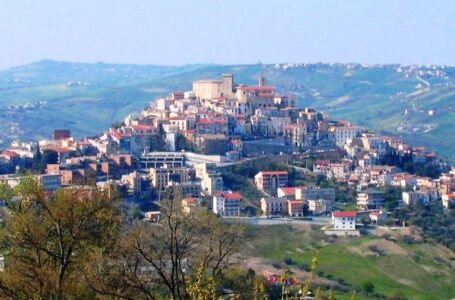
[{"x": 172, "y": 32}]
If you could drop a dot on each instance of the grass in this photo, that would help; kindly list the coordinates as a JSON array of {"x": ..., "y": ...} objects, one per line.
[{"x": 425, "y": 275}]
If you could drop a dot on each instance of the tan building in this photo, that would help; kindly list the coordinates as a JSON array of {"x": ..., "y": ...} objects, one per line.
[
  {"x": 271, "y": 180},
  {"x": 161, "y": 177},
  {"x": 274, "y": 206},
  {"x": 319, "y": 206},
  {"x": 190, "y": 204},
  {"x": 296, "y": 208},
  {"x": 214, "y": 88}
]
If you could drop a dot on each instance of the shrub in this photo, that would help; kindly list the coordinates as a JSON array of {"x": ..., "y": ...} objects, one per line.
[{"x": 289, "y": 261}]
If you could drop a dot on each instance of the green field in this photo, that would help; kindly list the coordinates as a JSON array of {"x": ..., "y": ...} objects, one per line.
[{"x": 419, "y": 270}]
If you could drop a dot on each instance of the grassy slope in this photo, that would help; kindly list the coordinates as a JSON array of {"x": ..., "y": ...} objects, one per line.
[{"x": 420, "y": 271}]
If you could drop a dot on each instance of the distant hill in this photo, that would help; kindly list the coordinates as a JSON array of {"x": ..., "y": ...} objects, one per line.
[{"x": 415, "y": 102}]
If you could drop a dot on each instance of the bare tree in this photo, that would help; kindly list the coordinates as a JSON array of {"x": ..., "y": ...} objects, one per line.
[{"x": 169, "y": 257}]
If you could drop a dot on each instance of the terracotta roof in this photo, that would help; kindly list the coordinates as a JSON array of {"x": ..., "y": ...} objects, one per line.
[
  {"x": 288, "y": 190},
  {"x": 143, "y": 127},
  {"x": 344, "y": 214},
  {"x": 292, "y": 202},
  {"x": 229, "y": 196}
]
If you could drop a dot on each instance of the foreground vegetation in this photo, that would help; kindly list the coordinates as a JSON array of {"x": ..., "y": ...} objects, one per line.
[
  {"x": 395, "y": 265},
  {"x": 76, "y": 244}
]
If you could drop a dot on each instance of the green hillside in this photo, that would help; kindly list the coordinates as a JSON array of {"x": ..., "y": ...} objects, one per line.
[
  {"x": 395, "y": 263},
  {"x": 89, "y": 97}
]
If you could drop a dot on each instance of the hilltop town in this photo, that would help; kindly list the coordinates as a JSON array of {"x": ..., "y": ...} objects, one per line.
[{"x": 188, "y": 138}]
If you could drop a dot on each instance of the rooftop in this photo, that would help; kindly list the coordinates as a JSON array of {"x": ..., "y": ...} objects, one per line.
[{"x": 344, "y": 214}]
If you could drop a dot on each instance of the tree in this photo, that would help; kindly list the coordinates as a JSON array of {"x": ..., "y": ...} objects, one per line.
[
  {"x": 181, "y": 143},
  {"x": 47, "y": 239},
  {"x": 182, "y": 256},
  {"x": 49, "y": 157},
  {"x": 37, "y": 159},
  {"x": 368, "y": 287},
  {"x": 158, "y": 141}
]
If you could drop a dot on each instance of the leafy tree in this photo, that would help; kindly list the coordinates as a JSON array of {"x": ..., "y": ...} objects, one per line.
[{"x": 47, "y": 239}]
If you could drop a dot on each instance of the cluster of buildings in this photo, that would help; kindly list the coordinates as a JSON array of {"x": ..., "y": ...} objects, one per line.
[{"x": 182, "y": 140}]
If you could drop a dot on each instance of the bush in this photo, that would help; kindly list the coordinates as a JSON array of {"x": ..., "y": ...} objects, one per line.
[
  {"x": 289, "y": 261},
  {"x": 375, "y": 249}
]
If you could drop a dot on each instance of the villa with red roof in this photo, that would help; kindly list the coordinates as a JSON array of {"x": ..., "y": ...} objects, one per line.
[
  {"x": 227, "y": 204},
  {"x": 271, "y": 180},
  {"x": 344, "y": 220},
  {"x": 287, "y": 192}
]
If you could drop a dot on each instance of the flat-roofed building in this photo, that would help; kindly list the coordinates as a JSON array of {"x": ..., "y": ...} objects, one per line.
[
  {"x": 370, "y": 199},
  {"x": 274, "y": 206}
]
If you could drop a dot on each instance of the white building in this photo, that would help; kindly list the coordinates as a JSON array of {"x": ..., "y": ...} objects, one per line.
[
  {"x": 343, "y": 134},
  {"x": 227, "y": 204},
  {"x": 344, "y": 220},
  {"x": 414, "y": 197}
]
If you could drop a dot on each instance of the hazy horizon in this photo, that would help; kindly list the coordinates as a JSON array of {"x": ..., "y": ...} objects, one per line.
[{"x": 208, "y": 32}]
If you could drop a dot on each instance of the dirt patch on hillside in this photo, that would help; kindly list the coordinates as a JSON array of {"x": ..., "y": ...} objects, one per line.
[{"x": 378, "y": 248}]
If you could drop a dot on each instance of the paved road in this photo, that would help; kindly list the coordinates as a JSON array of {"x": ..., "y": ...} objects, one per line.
[{"x": 278, "y": 221}]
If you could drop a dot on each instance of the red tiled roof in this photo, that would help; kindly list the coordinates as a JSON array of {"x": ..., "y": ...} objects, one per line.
[
  {"x": 229, "y": 196},
  {"x": 344, "y": 214},
  {"x": 143, "y": 127},
  {"x": 321, "y": 163},
  {"x": 288, "y": 190},
  {"x": 296, "y": 202},
  {"x": 10, "y": 153}
]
